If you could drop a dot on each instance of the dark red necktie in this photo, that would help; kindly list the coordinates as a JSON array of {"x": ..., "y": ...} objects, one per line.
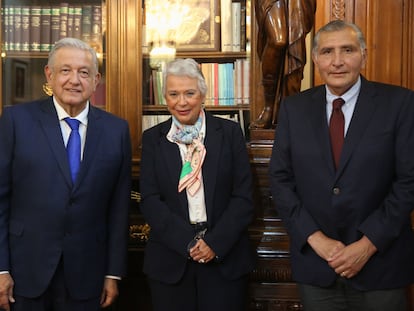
[{"x": 336, "y": 129}]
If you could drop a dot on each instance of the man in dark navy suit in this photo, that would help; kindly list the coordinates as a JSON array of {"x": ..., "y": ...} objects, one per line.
[
  {"x": 63, "y": 237},
  {"x": 344, "y": 186}
]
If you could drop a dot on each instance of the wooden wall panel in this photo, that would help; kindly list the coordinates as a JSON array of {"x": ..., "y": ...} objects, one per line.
[
  {"x": 408, "y": 45},
  {"x": 123, "y": 62},
  {"x": 384, "y": 35}
]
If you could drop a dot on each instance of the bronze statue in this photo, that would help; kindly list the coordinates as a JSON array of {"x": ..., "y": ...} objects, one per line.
[{"x": 282, "y": 28}]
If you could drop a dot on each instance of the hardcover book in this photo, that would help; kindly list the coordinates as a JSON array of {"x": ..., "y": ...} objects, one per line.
[
  {"x": 17, "y": 28},
  {"x": 35, "y": 13},
  {"x": 86, "y": 24},
  {"x": 26, "y": 28},
  {"x": 63, "y": 16},
  {"x": 45, "y": 20},
  {"x": 77, "y": 22},
  {"x": 55, "y": 24}
]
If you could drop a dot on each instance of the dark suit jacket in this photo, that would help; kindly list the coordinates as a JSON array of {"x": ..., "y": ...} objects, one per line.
[
  {"x": 43, "y": 216},
  {"x": 227, "y": 186},
  {"x": 371, "y": 193}
]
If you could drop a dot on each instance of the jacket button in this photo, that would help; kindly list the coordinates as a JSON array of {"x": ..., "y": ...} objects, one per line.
[{"x": 336, "y": 191}]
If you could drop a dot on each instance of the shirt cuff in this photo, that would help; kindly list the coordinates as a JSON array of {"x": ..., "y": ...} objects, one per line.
[{"x": 114, "y": 277}]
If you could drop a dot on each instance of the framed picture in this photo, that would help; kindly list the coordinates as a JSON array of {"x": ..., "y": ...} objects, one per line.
[
  {"x": 190, "y": 25},
  {"x": 20, "y": 86}
]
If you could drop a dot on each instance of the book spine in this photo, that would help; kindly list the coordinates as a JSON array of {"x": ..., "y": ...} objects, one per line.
[
  {"x": 71, "y": 11},
  {"x": 11, "y": 35},
  {"x": 216, "y": 84},
  {"x": 35, "y": 13},
  {"x": 17, "y": 28},
  {"x": 230, "y": 83},
  {"x": 147, "y": 85},
  {"x": 26, "y": 28},
  {"x": 150, "y": 91},
  {"x": 225, "y": 21},
  {"x": 4, "y": 23},
  {"x": 235, "y": 26},
  {"x": 205, "y": 69},
  {"x": 238, "y": 73},
  {"x": 159, "y": 87},
  {"x": 246, "y": 81},
  {"x": 243, "y": 25},
  {"x": 55, "y": 24},
  {"x": 155, "y": 83},
  {"x": 63, "y": 20},
  {"x": 45, "y": 42},
  {"x": 77, "y": 22},
  {"x": 221, "y": 85},
  {"x": 96, "y": 35},
  {"x": 86, "y": 24}
]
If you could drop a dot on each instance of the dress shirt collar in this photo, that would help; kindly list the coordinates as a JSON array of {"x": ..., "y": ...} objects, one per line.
[
  {"x": 349, "y": 96},
  {"x": 62, "y": 114}
]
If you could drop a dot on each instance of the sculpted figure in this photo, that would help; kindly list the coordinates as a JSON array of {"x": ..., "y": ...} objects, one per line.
[{"x": 282, "y": 28}]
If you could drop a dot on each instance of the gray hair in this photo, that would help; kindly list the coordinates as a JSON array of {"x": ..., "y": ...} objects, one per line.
[
  {"x": 338, "y": 25},
  {"x": 187, "y": 67},
  {"x": 72, "y": 43}
]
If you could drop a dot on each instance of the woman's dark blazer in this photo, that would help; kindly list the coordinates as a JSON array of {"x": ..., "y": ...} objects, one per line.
[{"x": 227, "y": 185}]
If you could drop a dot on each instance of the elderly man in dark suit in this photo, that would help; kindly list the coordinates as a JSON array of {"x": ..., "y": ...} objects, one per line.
[
  {"x": 63, "y": 227},
  {"x": 342, "y": 177}
]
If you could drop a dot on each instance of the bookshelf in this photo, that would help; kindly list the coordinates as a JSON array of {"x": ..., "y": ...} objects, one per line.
[
  {"x": 125, "y": 54},
  {"x": 216, "y": 33},
  {"x": 30, "y": 28}
]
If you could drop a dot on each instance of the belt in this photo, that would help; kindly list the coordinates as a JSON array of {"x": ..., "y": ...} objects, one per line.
[{"x": 199, "y": 226}]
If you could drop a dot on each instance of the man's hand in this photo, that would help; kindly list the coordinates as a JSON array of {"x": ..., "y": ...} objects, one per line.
[
  {"x": 349, "y": 261},
  {"x": 6, "y": 291},
  {"x": 109, "y": 293},
  {"x": 324, "y": 246}
]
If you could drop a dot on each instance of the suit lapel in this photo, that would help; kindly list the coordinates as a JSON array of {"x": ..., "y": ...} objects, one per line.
[
  {"x": 363, "y": 112},
  {"x": 93, "y": 135},
  {"x": 317, "y": 113},
  {"x": 172, "y": 158},
  {"x": 213, "y": 143},
  {"x": 51, "y": 127}
]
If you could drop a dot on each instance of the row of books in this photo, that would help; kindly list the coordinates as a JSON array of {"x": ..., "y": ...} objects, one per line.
[
  {"x": 233, "y": 25},
  {"x": 35, "y": 28},
  {"x": 227, "y": 84}
]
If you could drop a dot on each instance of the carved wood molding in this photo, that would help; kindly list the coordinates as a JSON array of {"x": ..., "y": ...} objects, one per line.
[
  {"x": 269, "y": 275},
  {"x": 338, "y": 9},
  {"x": 274, "y": 305}
]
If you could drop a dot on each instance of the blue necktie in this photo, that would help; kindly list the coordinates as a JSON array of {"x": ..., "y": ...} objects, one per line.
[{"x": 73, "y": 147}]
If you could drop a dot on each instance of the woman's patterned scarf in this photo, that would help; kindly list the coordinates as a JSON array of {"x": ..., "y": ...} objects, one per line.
[{"x": 190, "y": 177}]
